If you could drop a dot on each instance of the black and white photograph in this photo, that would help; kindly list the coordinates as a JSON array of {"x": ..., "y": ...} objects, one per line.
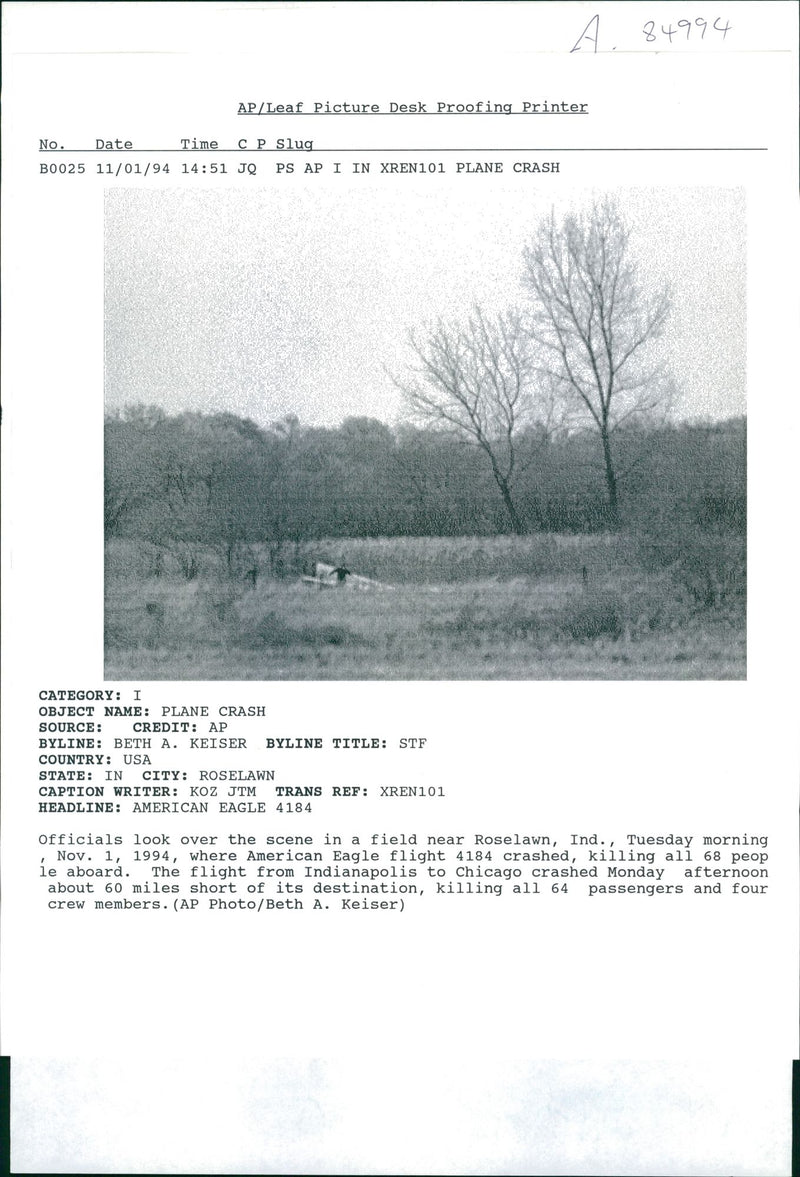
[{"x": 416, "y": 433}]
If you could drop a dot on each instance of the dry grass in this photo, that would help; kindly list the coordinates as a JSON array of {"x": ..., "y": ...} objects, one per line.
[
  {"x": 616, "y": 621},
  {"x": 398, "y": 561}
]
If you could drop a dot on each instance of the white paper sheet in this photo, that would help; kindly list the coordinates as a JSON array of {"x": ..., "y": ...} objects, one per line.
[{"x": 528, "y": 1031}]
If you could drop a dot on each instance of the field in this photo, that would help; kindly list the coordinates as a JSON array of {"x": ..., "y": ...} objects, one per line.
[{"x": 534, "y": 607}]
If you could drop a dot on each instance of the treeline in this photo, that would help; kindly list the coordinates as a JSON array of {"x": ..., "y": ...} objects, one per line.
[{"x": 221, "y": 479}]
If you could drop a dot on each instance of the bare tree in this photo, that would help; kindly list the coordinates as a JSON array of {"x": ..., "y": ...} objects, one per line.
[
  {"x": 591, "y": 322},
  {"x": 474, "y": 379}
]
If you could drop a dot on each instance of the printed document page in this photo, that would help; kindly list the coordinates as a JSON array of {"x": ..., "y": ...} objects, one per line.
[{"x": 400, "y": 585}]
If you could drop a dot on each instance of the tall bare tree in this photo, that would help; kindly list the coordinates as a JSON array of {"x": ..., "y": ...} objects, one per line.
[
  {"x": 592, "y": 320},
  {"x": 473, "y": 378}
]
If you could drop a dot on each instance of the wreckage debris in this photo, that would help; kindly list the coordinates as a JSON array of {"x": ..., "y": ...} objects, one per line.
[{"x": 337, "y": 576}]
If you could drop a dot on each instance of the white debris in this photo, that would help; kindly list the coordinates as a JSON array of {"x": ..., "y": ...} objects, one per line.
[{"x": 333, "y": 576}]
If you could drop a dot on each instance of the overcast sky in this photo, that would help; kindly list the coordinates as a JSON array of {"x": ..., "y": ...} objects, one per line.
[{"x": 267, "y": 302}]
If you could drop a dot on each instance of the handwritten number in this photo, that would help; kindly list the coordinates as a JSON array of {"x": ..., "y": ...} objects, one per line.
[{"x": 670, "y": 32}]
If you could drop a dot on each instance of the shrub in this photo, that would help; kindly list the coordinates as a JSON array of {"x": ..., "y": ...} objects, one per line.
[
  {"x": 593, "y": 617},
  {"x": 272, "y": 630},
  {"x": 711, "y": 567}
]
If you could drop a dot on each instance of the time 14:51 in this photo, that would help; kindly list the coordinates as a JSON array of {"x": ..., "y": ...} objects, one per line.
[{"x": 204, "y": 169}]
